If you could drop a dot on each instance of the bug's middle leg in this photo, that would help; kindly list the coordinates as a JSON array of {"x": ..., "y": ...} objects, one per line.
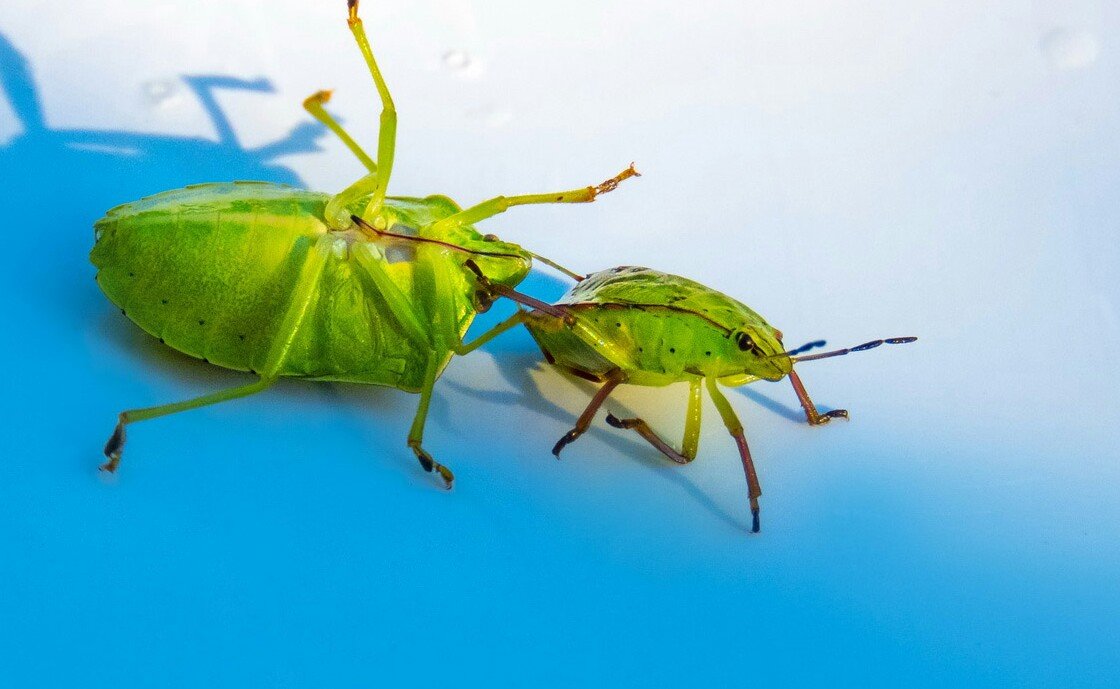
[
  {"x": 691, "y": 441},
  {"x": 814, "y": 417}
]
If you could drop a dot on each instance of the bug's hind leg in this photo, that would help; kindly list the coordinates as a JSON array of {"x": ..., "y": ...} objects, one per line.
[
  {"x": 300, "y": 298},
  {"x": 115, "y": 446},
  {"x": 416, "y": 433},
  {"x": 584, "y": 420},
  {"x": 691, "y": 441},
  {"x": 735, "y": 428},
  {"x": 814, "y": 417},
  {"x": 314, "y": 105}
]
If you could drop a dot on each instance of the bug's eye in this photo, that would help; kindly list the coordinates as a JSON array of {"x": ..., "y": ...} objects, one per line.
[{"x": 744, "y": 341}]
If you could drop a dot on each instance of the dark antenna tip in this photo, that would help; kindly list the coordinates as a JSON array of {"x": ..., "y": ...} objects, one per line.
[
  {"x": 858, "y": 348},
  {"x": 805, "y": 347}
]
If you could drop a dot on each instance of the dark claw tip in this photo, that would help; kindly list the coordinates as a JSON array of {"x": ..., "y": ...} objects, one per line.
[
  {"x": 563, "y": 441},
  {"x": 754, "y": 521},
  {"x": 614, "y": 420}
]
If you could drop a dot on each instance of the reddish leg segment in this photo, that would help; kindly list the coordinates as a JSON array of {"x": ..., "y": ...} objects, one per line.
[
  {"x": 735, "y": 428},
  {"x": 584, "y": 420},
  {"x": 814, "y": 417}
]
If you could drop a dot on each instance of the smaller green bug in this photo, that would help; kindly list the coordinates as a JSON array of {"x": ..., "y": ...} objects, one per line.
[{"x": 644, "y": 327}]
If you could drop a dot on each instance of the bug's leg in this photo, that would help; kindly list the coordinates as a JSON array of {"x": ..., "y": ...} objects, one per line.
[
  {"x": 302, "y": 294},
  {"x": 375, "y": 183},
  {"x": 691, "y": 441},
  {"x": 512, "y": 322},
  {"x": 416, "y": 433},
  {"x": 584, "y": 420},
  {"x": 314, "y": 105},
  {"x": 500, "y": 204},
  {"x": 494, "y": 290},
  {"x": 115, "y": 446},
  {"x": 814, "y": 417},
  {"x": 735, "y": 428}
]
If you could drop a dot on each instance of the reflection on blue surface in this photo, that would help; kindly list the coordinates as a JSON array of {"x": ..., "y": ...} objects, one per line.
[{"x": 290, "y": 539}]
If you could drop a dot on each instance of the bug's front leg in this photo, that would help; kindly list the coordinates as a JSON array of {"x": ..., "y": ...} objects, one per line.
[
  {"x": 814, "y": 417},
  {"x": 314, "y": 105},
  {"x": 494, "y": 290},
  {"x": 500, "y": 204}
]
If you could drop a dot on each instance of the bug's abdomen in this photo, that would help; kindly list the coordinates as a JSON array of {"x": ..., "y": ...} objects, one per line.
[
  {"x": 209, "y": 269},
  {"x": 350, "y": 334}
]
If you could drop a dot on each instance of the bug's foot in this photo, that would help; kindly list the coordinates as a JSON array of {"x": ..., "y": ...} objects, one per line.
[
  {"x": 114, "y": 447},
  {"x": 754, "y": 515},
  {"x": 431, "y": 465},
  {"x": 568, "y": 437},
  {"x": 613, "y": 420},
  {"x": 446, "y": 475},
  {"x": 824, "y": 418}
]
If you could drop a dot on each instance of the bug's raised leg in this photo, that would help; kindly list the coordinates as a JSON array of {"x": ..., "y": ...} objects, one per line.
[
  {"x": 691, "y": 441},
  {"x": 375, "y": 183},
  {"x": 584, "y": 420},
  {"x": 416, "y": 433},
  {"x": 500, "y": 204},
  {"x": 115, "y": 446},
  {"x": 314, "y": 105},
  {"x": 814, "y": 417},
  {"x": 735, "y": 428}
]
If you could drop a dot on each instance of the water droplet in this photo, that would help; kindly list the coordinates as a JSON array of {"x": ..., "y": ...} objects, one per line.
[
  {"x": 463, "y": 64},
  {"x": 498, "y": 117},
  {"x": 457, "y": 60},
  {"x": 1069, "y": 49},
  {"x": 493, "y": 116},
  {"x": 160, "y": 92}
]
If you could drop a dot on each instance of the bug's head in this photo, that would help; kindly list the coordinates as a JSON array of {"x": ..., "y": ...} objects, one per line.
[{"x": 756, "y": 350}]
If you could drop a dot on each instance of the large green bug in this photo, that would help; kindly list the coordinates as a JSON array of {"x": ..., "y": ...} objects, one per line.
[
  {"x": 270, "y": 279},
  {"x": 644, "y": 327}
]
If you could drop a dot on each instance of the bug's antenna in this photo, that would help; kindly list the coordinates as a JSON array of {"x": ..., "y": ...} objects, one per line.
[
  {"x": 858, "y": 348},
  {"x": 549, "y": 262},
  {"x": 804, "y": 348}
]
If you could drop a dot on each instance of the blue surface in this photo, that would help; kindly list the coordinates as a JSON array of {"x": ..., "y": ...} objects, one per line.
[{"x": 961, "y": 531}]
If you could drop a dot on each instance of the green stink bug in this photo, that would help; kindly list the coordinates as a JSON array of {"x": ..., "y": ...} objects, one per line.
[
  {"x": 358, "y": 286},
  {"x": 644, "y": 327}
]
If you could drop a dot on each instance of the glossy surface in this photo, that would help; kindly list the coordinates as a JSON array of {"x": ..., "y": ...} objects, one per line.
[{"x": 849, "y": 169}]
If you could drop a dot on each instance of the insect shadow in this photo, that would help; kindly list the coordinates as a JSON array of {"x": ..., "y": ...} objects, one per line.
[{"x": 65, "y": 179}]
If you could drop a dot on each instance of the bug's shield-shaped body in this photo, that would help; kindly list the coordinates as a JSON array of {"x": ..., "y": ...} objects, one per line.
[
  {"x": 658, "y": 329},
  {"x": 644, "y": 327},
  {"x": 211, "y": 271}
]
